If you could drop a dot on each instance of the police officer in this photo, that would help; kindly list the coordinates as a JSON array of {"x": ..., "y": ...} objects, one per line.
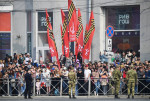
[
  {"x": 116, "y": 77},
  {"x": 28, "y": 80},
  {"x": 72, "y": 81},
  {"x": 132, "y": 79}
]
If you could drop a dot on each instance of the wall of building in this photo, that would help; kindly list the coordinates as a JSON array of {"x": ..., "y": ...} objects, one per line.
[
  {"x": 19, "y": 27},
  {"x": 145, "y": 30},
  {"x": 19, "y": 23}
]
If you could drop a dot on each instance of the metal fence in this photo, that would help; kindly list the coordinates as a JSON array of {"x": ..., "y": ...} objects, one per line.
[{"x": 59, "y": 87}]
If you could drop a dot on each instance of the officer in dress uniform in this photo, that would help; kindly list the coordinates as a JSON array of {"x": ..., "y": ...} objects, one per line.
[
  {"x": 72, "y": 82},
  {"x": 116, "y": 77},
  {"x": 28, "y": 80},
  {"x": 132, "y": 79}
]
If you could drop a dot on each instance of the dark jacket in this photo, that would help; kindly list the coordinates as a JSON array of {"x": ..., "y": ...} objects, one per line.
[{"x": 28, "y": 79}]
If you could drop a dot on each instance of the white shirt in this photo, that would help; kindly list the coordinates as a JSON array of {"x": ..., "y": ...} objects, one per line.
[
  {"x": 27, "y": 60},
  {"x": 65, "y": 73},
  {"x": 46, "y": 74},
  {"x": 87, "y": 72},
  {"x": 2, "y": 65}
]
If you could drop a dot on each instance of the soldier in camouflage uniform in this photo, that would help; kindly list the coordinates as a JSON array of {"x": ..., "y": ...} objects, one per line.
[
  {"x": 116, "y": 77},
  {"x": 132, "y": 79},
  {"x": 72, "y": 81}
]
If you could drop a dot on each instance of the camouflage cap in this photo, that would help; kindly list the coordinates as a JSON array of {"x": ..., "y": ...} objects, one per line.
[
  {"x": 117, "y": 66},
  {"x": 72, "y": 68},
  {"x": 131, "y": 67}
]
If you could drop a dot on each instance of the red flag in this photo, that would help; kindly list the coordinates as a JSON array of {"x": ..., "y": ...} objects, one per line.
[
  {"x": 66, "y": 44},
  {"x": 72, "y": 19},
  {"x": 51, "y": 40},
  {"x": 88, "y": 38},
  {"x": 65, "y": 34},
  {"x": 79, "y": 34}
]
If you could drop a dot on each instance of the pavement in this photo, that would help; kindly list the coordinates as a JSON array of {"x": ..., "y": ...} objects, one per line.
[{"x": 79, "y": 98}]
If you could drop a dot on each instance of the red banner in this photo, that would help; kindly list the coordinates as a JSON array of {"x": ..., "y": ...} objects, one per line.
[
  {"x": 51, "y": 40},
  {"x": 65, "y": 34},
  {"x": 79, "y": 35},
  {"x": 72, "y": 19},
  {"x": 88, "y": 37}
]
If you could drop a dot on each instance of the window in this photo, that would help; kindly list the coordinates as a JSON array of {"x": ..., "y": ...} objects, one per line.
[
  {"x": 29, "y": 34},
  {"x": 124, "y": 17},
  {"x": 42, "y": 24},
  {"x": 126, "y": 23},
  {"x": 5, "y": 34},
  {"x": 5, "y": 44}
]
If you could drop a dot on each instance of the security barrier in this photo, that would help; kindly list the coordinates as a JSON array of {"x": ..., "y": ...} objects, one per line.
[{"x": 59, "y": 87}]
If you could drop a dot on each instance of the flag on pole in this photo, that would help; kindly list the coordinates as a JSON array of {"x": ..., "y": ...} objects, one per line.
[
  {"x": 72, "y": 19},
  {"x": 88, "y": 37},
  {"x": 79, "y": 35},
  {"x": 51, "y": 40},
  {"x": 65, "y": 34}
]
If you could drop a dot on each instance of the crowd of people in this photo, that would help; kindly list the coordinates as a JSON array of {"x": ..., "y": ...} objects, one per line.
[{"x": 47, "y": 76}]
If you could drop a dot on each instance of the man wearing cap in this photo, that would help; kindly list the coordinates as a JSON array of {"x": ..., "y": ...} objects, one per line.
[
  {"x": 132, "y": 79},
  {"x": 116, "y": 76},
  {"x": 72, "y": 81}
]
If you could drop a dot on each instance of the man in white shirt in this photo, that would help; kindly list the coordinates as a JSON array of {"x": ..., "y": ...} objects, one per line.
[{"x": 87, "y": 74}]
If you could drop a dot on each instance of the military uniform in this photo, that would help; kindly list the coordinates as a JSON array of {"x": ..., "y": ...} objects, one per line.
[
  {"x": 116, "y": 77},
  {"x": 72, "y": 82},
  {"x": 132, "y": 79}
]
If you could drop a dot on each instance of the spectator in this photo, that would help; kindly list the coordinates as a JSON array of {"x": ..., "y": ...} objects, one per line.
[
  {"x": 104, "y": 81},
  {"x": 80, "y": 78},
  {"x": 68, "y": 62},
  {"x": 104, "y": 57},
  {"x": 65, "y": 79},
  {"x": 118, "y": 58},
  {"x": 1, "y": 64},
  {"x": 133, "y": 57},
  {"x": 128, "y": 57},
  {"x": 87, "y": 73},
  {"x": 140, "y": 73},
  {"x": 123, "y": 57},
  {"x": 28, "y": 58},
  {"x": 147, "y": 77},
  {"x": 38, "y": 86},
  {"x": 79, "y": 57},
  {"x": 96, "y": 75}
]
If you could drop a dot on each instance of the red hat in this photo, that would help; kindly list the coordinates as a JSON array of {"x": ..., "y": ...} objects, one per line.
[{"x": 86, "y": 65}]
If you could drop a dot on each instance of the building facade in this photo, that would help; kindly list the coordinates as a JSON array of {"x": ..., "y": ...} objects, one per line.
[{"x": 23, "y": 26}]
